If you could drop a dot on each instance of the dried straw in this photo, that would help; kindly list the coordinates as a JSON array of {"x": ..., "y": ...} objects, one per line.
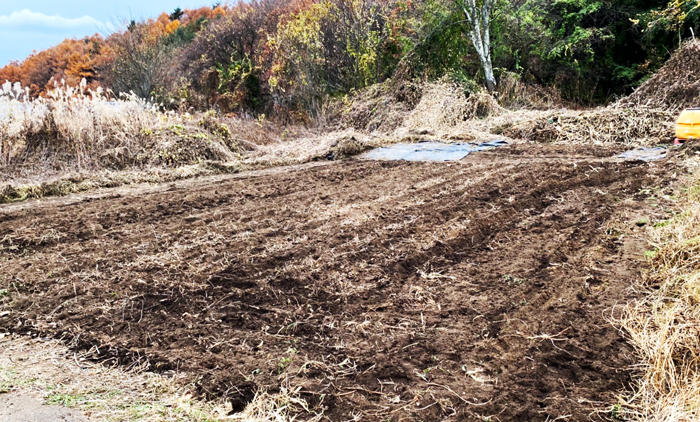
[
  {"x": 615, "y": 124},
  {"x": 444, "y": 106},
  {"x": 675, "y": 86},
  {"x": 665, "y": 326}
]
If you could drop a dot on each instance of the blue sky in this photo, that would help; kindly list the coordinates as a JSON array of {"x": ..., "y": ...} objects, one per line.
[{"x": 27, "y": 25}]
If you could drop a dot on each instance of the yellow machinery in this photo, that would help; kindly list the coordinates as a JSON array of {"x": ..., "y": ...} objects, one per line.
[{"x": 688, "y": 125}]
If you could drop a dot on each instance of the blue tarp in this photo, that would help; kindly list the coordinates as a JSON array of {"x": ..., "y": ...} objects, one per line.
[
  {"x": 429, "y": 151},
  {"x": 645, "y": 154}
]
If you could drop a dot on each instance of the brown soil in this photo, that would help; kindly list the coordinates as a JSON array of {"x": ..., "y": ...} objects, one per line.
[{"x": 389, "y": 290}]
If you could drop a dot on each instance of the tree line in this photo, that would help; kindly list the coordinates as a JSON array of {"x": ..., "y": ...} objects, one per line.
[{"x": 286, "y": 58}]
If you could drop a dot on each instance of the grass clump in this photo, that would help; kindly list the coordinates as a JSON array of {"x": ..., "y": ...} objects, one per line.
[{"x": 279, "y": 407}]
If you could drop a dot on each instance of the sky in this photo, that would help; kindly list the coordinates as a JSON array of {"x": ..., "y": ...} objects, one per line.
[{"x": 28, "y": 25}]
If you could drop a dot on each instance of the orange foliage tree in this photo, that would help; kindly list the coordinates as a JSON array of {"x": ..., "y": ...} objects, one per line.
[{"x": 70, "y": 61}]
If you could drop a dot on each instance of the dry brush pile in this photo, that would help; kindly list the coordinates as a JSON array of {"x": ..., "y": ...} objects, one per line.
[
  {"x": 675, "y": 86},
  {"x": 615, "y": 124},
  {"x": 380, "y": 108},
  {"x": 445, "y": 108},
  {"x": 646, "y": 117},
  {"x": 412, "y": 111}
]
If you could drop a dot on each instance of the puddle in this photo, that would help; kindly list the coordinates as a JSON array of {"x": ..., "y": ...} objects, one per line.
[
  {"x": 644, "y": 154},
  {"x": 429, "y": 151}
]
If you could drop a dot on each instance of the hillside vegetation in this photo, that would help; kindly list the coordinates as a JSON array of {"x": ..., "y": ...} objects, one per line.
[{"x": 286, "y": 59}]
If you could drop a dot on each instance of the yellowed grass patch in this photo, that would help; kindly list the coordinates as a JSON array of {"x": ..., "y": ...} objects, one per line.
[{"x": 664, "y": 327}]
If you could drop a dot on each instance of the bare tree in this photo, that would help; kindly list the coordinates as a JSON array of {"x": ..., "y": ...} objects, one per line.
[
  {"x": 478, "y": 15},
  {"x": 141, "y": 64}
]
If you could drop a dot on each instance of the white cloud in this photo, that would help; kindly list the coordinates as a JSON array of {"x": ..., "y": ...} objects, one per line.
[{"x": 26, "y": 17}]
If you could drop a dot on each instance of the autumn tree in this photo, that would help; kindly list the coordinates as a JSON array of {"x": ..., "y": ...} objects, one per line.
[
  {"x": 297, "y": 76},
  {"x": 70, "y": 61},
  {"x": 13, "y": 72},
  {"x": 225, "y": 62}
]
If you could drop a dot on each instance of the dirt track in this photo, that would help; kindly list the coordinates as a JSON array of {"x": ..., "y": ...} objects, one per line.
[
  {"x": 19, "y": 408},
  {"x": 400, "y": 291}
]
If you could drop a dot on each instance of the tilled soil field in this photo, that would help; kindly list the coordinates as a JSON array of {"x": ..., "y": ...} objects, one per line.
[{"x": 480, "y": 289}]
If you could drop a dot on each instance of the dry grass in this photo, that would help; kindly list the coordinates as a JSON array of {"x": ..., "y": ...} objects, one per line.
[
  {"x": 78, "y": 130},
  {"x": 77, "y": 139},
  {"x": 74, "y": 129},
  {"x": 445, "y": 109},
  {"x": 280, "y": 407},
  {"x": 665, "y": 326}
]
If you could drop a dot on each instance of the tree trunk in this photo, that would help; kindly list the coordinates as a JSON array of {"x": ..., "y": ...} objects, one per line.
[
  {"x": 479, "y": 17},
  {"x": 488, "y": 73}
]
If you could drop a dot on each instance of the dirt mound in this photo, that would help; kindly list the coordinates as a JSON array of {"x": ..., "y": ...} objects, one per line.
[
  {"x": 376, "y": 290},
  {"x": 675, "y": 86}
]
